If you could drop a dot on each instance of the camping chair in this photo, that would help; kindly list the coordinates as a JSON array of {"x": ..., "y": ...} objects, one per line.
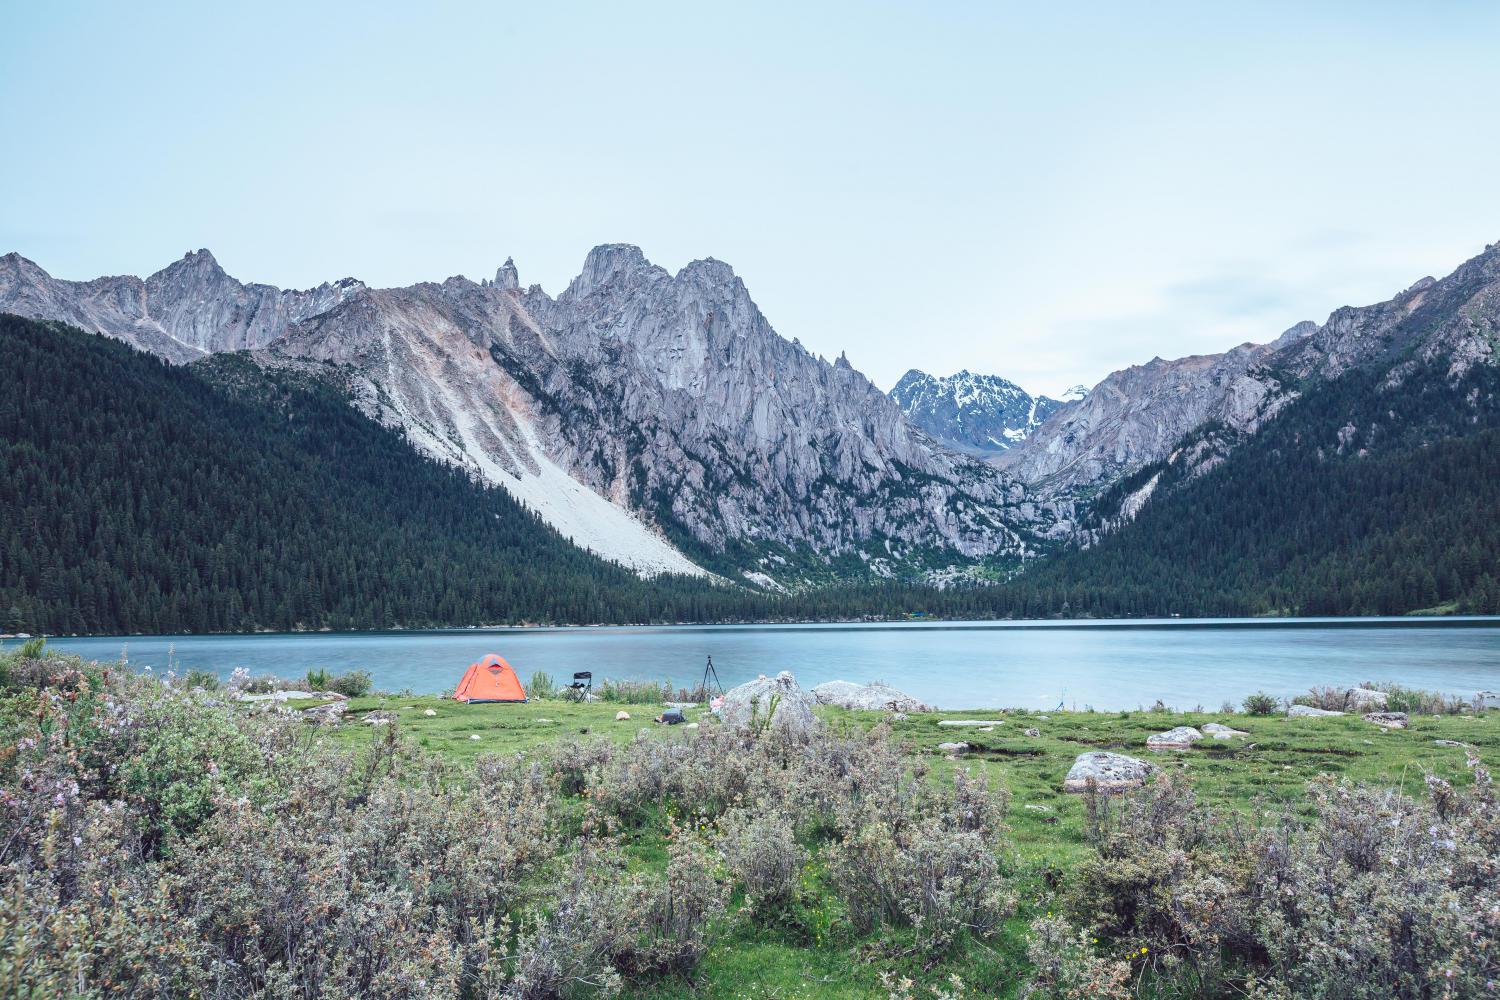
[{"x": 582, "y": 686}]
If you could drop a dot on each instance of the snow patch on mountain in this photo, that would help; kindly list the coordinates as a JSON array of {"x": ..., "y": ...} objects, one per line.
[{"x": 978, "y": 414}]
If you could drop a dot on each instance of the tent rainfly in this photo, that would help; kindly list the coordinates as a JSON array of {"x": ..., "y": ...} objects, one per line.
[{"x": 491, "y": 679}]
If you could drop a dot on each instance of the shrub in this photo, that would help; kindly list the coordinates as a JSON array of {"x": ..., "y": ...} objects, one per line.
[
  {"x": 1329, "y": 699},
  {"x": 606, "y": 924},
  {"x": 1066, "y": 967},
  {"x": 576, "y": 765},
  {"x": 1418, "y": 702},
  {"x": 635, "y": 692},
  {"x": 317, "y": 679},
  {"x": 1166, "y": 876},
  {"x": 669, "y": 923},
  {"x": 912, "y": 855},
  {"x": 204, "y": 679},
  {"x": 542, "y": 685},
  {"x": 265, "y": 684},
  {"x": 1375, "y": 895},
  {"x": 761, "y": 850},
  {"x": 1260, "y": 703},
  {"x": 354, "y": 684}
]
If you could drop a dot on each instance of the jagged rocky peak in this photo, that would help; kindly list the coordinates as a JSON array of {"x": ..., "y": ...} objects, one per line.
[
  {"x": 979, "y": 414},
  {"x": 507, "y": 279},
  {"x": 608, "y": 265},
  {"x": 189, "y": 308},
  {"x": 1138, "y": 415}
]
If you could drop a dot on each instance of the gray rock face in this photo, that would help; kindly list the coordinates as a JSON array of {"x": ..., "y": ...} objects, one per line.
[
  {"x": 1308, "y": 712},
  {"x": 1107, "y": 772},
  {"x": 979, "y": 414},
  {"x": 954, "y": 749},
  {"x": 866, "y": 697},
  {"x": 774, "y": 702},
  {"x": 186, "y": 310},
  {"x": 1177, "y": 738},
  {"x": 1140, "y": 415},
  {"x": 636, "y": 406}
]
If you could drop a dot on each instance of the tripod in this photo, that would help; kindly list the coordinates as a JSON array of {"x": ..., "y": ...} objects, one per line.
[{"x": 709, "y": 671}]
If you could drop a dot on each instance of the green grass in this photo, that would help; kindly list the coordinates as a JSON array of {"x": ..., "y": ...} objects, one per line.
[{"x": 1273, "y": 762}]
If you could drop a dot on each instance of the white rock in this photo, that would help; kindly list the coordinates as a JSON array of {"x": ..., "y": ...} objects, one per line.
[
  {"x": 1308, "y": 712},
  {"x": 430, "y": 713},
  {"x": 866, "y": 697},
  {"x": 954, "y": 748},
  {"x": 1222, "y": 732},
  {"x": 1177, "y": 738},
  {"x": 1387, "y": 720},
  {"x": 286, "y": 696},
  {"x": 953, "y": 723},
  {"x": 774, "y": 701},
  {"x": 622, "y": 716},
  {"x": 1108, "y": 772},
  {"x": 474, "y": 736}
]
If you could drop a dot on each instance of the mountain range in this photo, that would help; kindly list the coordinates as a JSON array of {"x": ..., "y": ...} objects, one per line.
[{"x": 658, "y": 420}]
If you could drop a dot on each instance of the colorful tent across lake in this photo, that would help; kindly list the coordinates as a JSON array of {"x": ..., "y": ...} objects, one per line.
[{"x": 491, "y": 679}]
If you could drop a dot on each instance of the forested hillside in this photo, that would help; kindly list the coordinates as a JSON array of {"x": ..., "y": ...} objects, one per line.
[
  {"x": 136, "y": 496},
  {"x": 139, "y": 496},
  {"x": 1360, "y": 499}
]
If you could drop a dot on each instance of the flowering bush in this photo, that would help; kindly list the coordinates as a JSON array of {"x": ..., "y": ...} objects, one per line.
[{"x": 1067, "y": 967}]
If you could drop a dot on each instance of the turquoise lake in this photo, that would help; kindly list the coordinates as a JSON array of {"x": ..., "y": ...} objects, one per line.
[{"x": 1106, "y": 665}]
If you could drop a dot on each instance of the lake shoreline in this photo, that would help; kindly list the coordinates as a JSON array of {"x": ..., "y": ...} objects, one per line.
[
  {"x": 1119, "y": 664},
  {"x": 1263, "y": 621}
]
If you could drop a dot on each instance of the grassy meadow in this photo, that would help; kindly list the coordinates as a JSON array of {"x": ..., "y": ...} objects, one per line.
[
  {"x": 1272, "y": 764},
  {"x": 169, "y": 839}
]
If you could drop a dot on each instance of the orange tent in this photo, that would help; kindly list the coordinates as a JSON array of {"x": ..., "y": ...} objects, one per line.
[{"x": 491, "y": 679}]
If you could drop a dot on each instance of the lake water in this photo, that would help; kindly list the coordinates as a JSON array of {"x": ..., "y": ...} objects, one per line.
[{"x": 1106, "y": 665}]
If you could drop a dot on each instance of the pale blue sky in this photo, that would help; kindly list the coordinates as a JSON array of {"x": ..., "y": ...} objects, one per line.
[{"x": 1045, "y": 191}]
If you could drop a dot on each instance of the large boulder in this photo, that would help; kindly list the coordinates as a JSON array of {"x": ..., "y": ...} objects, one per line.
[
  {"x": 775, "y": 702},
  {"x": 1387, "y": 720},
  {"x": 1364, "y": 700},
  {"x": 1179, "y": 738},
  {"x": 1308, "y": 712},
  {"x": 1107, "y": 772},
  {"x": 875, "y": 697}
]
